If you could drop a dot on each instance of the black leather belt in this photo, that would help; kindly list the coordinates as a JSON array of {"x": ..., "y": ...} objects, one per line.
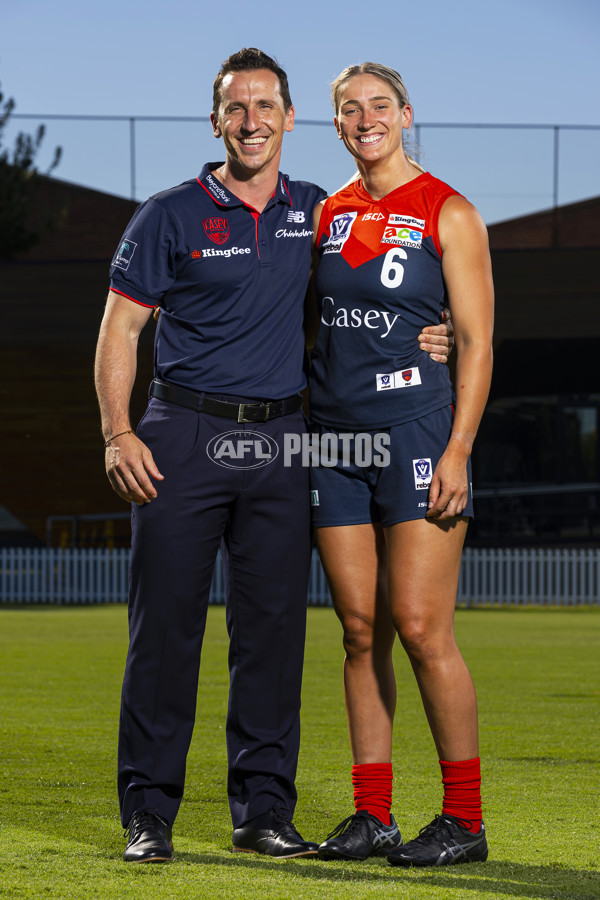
[{"x": 254, "y": 411}]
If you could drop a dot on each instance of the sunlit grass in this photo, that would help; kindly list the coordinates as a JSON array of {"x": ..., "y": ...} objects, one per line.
[{"x": 538, "y": 679}]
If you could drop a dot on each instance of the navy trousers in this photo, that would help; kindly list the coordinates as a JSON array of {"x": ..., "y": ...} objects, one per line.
[{"x": 260, "y": 516}]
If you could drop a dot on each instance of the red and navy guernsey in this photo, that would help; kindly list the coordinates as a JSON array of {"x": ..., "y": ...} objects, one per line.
[
  {"x": 379, "y": 282},
  {"x": 230, "y": 283}
]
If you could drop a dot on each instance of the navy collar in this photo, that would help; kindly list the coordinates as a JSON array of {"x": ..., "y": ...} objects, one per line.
[{"x": 226, "y": 198}]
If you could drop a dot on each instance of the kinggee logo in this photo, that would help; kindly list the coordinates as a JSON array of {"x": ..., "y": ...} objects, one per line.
[{"x": 242, "y": 450}]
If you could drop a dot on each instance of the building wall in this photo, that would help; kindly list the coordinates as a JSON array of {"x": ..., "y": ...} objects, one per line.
[
  {"x": 51, "y": 452},
  {"x": 51, "y": 304}
]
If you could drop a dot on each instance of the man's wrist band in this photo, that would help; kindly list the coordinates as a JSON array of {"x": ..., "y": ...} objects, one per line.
[{"x": 106, "y": 443}]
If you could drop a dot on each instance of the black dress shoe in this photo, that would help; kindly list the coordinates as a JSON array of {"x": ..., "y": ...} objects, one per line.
[
  {"x": 149, "y": 838},
  {"x": 274, "y": 835}
]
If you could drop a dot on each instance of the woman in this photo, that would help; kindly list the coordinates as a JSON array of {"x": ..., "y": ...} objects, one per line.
[{"x": 395, "y": 246}]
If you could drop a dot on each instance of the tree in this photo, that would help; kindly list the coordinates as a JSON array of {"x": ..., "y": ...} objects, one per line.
[{"x": 21, "y": 226}]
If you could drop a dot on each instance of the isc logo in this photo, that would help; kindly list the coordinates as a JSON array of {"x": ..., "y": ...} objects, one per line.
[{"x": 373, "y": 217}]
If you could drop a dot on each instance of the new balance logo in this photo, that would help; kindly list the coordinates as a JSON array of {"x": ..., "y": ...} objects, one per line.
[{"x": 296, "y": 215}]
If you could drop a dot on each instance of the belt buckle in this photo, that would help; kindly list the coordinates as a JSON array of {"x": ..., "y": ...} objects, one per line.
[{"x": 242, "y": 410}]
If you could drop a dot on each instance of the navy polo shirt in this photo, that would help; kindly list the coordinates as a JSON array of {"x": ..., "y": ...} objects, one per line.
[{"x": 230, "y": 283}]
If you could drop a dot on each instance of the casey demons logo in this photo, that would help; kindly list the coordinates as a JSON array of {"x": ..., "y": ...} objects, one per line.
[{"x": 217, "y": 229}]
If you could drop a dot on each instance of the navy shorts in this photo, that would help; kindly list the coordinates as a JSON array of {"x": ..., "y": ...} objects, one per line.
[{"x": 376, "y": 486}]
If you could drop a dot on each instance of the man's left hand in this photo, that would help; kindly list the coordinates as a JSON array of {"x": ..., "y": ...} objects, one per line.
[{"x": 438, "y": 340}]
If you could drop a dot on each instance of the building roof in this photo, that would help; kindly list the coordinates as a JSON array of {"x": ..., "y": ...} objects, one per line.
[
  {"x": 574, "y": 226},
  {"x": 90, "y": 222}
]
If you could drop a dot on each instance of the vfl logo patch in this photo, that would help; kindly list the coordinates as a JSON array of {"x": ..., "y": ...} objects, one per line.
[
  {"x": 217, "y": 229},
  {"x": 339, "y": 232},
  {"x": 314, "y": 498},
  {"x": 403, "y": 378},
  {"x": 422, "y": 473},
  {"x": 124, "y": 254}
]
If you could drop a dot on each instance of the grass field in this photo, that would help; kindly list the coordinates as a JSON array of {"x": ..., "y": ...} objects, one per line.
[{"x": 538, "y": 680}]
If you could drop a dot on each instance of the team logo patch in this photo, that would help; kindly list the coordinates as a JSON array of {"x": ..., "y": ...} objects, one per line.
[
  {"x": 339, "y": 232},
  {"x": 124, "y": 254},
  {"x": 314, "y": 498},
  {"x": 217, "y": 229},
  {"x": 403, "y": 378},
  {"x": 422, "y": 473}
]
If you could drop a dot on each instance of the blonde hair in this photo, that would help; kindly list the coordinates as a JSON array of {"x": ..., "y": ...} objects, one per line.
[{"x": 392, "y": 77}]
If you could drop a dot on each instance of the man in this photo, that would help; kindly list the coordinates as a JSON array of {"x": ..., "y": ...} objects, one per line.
[{"x": 226, "y": 257}]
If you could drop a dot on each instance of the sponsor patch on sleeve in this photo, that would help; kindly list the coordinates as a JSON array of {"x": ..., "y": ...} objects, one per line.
[{"x": 124, "y": 254}]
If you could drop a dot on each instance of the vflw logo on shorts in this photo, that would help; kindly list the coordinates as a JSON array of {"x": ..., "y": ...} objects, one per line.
[
  {"x": 124, "y": 254},
  {"x": 422, "y": 473},
  {"x": 339, "y": 232},
  {"x": 314, "y": 498}
]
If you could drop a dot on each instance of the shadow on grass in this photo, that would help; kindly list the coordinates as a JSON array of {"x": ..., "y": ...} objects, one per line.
[{"x": 495, "y": 876}]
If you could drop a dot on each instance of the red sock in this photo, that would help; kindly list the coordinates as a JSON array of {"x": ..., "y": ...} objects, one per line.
[
  {"x": 373, "y": 789},
  {"x": 462, "y": 792}
]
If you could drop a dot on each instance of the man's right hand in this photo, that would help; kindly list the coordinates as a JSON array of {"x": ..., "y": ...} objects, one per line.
[{"x": 129, "y": 463}]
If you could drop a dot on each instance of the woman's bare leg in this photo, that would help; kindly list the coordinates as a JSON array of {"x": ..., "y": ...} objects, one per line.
[
  {"x": 354, "y": 560},
  {"x": 423, "y": 570}
]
